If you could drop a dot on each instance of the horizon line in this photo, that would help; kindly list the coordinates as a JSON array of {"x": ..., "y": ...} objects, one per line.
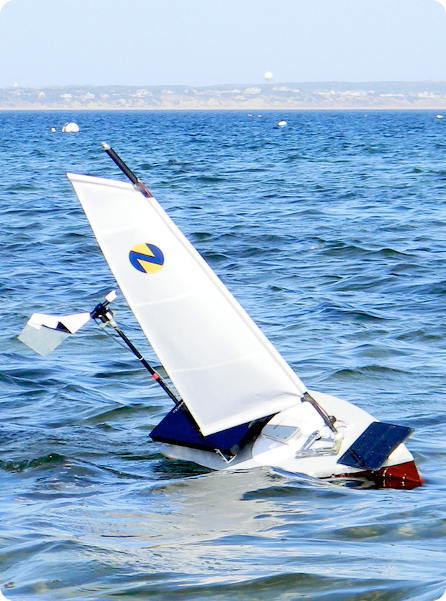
[{"x": 212, "y": 85}]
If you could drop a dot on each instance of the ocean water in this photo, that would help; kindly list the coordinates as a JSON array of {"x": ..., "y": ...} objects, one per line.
[{"x": 332, "y": 234}]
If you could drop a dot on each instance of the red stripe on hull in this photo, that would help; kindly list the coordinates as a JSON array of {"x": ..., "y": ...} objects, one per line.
[{"x": 404, "y": 475}]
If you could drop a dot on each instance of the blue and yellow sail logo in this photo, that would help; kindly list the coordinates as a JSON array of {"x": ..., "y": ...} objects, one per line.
[{"x": 146, "y": 258}]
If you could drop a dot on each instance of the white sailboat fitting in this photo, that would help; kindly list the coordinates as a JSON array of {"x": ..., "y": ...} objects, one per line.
[{"x": 241, "y": 406}]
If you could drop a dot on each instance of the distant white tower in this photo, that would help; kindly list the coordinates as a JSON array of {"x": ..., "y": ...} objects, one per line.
[
  {"x": 2, "y": 4},
  {"x": 267, "y": 76},
  {"x": 443, "y": 3}
]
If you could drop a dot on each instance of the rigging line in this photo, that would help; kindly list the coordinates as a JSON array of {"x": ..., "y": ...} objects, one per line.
[
  {"x": 105, "y": 315},
  {"x": 114, "y": 337}
]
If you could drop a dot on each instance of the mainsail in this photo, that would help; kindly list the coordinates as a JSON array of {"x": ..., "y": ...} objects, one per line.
[{"x": 225, "y": 369}]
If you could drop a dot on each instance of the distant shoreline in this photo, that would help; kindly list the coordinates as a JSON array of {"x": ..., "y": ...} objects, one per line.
[
  {"x": 221, "y": 110},
  {"x": 255, "y": 98}
]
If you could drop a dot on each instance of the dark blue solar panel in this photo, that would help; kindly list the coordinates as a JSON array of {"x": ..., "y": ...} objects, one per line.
[
  {"x": 178, "y": 427},
  {"x": 373, "y": 447}
]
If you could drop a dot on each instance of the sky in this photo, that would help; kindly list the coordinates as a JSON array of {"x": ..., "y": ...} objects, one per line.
[{"x": 206, "y": 42}]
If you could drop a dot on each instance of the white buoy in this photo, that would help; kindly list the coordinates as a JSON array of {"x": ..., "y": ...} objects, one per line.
[
  {"x": 282, "y": 123},
  {"x": 70, "y": 128},
  {"x": 52, "y": 130}
]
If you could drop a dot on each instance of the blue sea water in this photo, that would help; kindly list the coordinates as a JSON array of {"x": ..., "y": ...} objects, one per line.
[{"x": 332, "y": 234}]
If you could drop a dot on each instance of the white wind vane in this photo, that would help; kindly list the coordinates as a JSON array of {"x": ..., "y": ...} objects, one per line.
[{"x": 44, "y": 333}]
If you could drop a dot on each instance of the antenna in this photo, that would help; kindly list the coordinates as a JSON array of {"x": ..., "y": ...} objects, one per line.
[{"x": 44, "y": 333}]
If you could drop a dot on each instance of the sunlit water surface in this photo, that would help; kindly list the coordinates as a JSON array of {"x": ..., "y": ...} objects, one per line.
[{"x": 332, "y": 234}]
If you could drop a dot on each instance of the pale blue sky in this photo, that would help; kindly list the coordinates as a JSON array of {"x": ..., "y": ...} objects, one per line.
[{"x": 201, "y": 42}]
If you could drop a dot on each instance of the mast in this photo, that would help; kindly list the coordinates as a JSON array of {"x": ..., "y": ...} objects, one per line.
[{"x": 126, "y": 170}]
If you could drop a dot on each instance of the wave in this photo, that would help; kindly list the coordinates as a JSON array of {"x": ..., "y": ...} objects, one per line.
[
  {"x": 359, "y": 373},
  {"x": 22, "y": 465}
]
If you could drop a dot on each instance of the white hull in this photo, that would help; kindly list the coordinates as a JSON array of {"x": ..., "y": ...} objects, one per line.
[{"x": 310, "y": 448}]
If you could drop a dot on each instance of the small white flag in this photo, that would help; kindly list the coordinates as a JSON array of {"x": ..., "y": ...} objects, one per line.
[{"x": 43, "y": 333}]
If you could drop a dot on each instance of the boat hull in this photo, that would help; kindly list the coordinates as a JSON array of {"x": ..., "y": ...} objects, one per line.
[{"x": 297, "y": 441}]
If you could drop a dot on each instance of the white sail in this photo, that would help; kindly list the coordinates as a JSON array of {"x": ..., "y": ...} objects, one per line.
[{"x": 225, "y": 369}]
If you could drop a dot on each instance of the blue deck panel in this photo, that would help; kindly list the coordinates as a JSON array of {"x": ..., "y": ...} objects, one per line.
[
  {"x": 371, "y": 449},
  {"x": 178, "y": 427}
]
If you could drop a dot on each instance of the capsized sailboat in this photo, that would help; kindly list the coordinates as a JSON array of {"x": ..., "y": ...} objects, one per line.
[{"x": 239, "y": 404}]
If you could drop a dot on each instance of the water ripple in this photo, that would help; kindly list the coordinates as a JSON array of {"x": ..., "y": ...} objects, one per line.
[{"x": 332, "y": 235}]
